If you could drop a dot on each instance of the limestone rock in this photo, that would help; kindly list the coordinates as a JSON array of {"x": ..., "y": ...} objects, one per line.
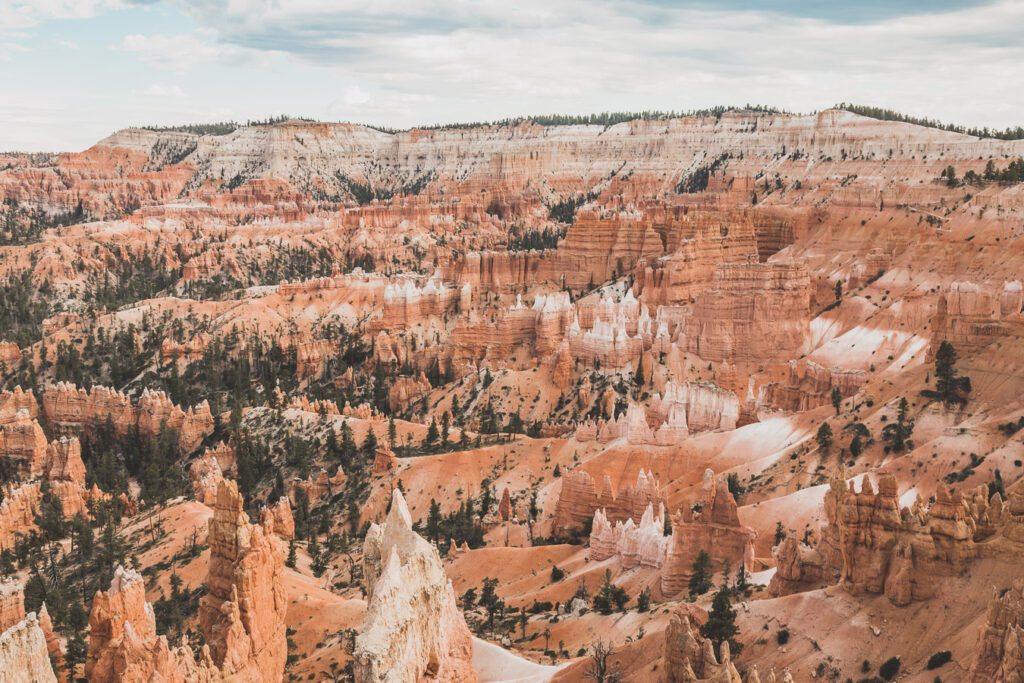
[
  {"x": 579, "y": 499},
  {"x": 242, "y": 614},
  {"x": 690, "y": 658},
  {"x": 1000, "y": 653},
  {"x": 123, "y": 643},
  {"x": 714, "y": 528},
  {"x": 278, "y": 517},
  {"x": 23, "y": 654},
  {"x": 797, "y": 568},
  {"x": 413, "y": 629}
]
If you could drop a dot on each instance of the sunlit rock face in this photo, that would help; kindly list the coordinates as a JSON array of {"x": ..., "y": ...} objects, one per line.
[
  {"x": 413, "y": 629},
  {"x": 999, "y": 656},
  {"x": 713, "y": 528},
  {"x": 242, "y": 615},
  {"x": 70, "y": 410}
]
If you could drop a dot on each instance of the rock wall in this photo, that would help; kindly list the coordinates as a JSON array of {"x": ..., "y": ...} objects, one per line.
[
  {"x": 124, "y": 645},
  {"x": 242, "y": 615},
  {"x": 23, "y": 444},
  {"x": 971, "y": 316},
  {"x": 753, "y": 312},
  {"x": 690, "y": 657},
  {"x": 70, "y": 410},
  {"x": 810, "y": 385},
  {"x": 413, "y": 629},
  {"x": 12, "y": 403},
  {"x": 713, "y": 527},
  {"x": 797, "y": 568},
  {"x": 1000, "y": 652},
  {"x": 634, "y": 545},
  {"x": 579, "y": 499},
  {"x": 23, "y": 654}
]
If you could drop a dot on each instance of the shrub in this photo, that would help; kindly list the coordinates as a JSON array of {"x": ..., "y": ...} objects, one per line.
[
  {"x": 889, "y": 668},
  {"x": 782, "y": 637},
  {"x": 939, "y": 659}
]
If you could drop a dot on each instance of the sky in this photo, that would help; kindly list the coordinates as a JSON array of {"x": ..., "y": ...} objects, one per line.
[{"x": 74, "y": 71}]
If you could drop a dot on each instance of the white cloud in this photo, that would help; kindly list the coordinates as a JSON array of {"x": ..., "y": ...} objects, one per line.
[
  {"x": 68, "y": 44},
  {"x": 159, "y": 90},
  {"x": 180, "y": 52},
  {"x": 16, "y": 15}
]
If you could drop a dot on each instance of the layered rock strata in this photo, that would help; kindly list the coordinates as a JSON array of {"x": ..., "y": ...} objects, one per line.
[
  {"x": 712, "y": 524},
  {"x": 69, "y": 410},
  {"x": 242, "y": 615},
  {"x": 579, "y": 499}
]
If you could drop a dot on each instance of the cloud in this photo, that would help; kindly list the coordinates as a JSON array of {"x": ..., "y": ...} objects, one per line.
[
  {"x": 159, "y": 90},
  {"x": 68, "y": 44},
  {"x": 17, "y": 15},
  {"x": 179, "y": 52}
]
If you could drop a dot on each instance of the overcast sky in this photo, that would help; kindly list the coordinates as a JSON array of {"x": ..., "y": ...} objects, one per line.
[{"x": 72, "y": 71}]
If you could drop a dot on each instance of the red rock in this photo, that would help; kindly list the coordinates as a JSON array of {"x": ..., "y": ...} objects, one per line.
[
  {"x": 242, "y": 614},
  {"x": 715, "y": 529}
]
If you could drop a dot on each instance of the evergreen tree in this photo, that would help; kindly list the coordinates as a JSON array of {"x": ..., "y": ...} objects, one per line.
[
  {"x": 446, "y": 421},
  {"x": 721, "y": 623},
  {"x": 948, "y": 385},
  {"x": 431, "y": 438},
  {"x": 824, "y": 437},
  {"x": 292, "y": 556},
  {"x": 742, "y": 578},
  {"x": 700, "y": 579},
  {"x": 837, "y": 399},
  {"x": 433, "y": 529},
  {"x": 370, "y": 444}
]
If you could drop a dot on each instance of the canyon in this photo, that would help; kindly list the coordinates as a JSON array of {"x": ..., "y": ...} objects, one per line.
[{"x": 732, "y": 396}]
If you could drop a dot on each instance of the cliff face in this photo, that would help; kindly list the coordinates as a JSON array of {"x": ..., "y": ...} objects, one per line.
[
  {"x": 753, "y": 312},
  {"x": 123, "y": 643},
  {"x": 242, "y": 614},
  {"x": 715, "y": 528},
  {"x": 632, "y": 544},
  {"x": 877, "y": 548},
  {"x": 413, "y": 629},
  {"x": 689, "y": 657},
  {"x": 69, "y": 410},
  {"x": 23, "y": 654},
  {"x": 579, "y": 499},
  {"x": 1000, "y": 652}
]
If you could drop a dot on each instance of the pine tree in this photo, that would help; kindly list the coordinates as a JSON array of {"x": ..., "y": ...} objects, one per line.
[
  {"x": 721, "y": 623},
  {"x": 947, "y": 383},
  {"x": 431, "y": 437},
  {"x": 446, "y": 422},
  {"x": 824, "y": 437},
  {"x": 780, "y": 533},
  {"x": 370, "y": 444},
  {"x": 700, "y": 579},
  {"x": 292, "y": 557},
  {"x": 742, "y": 579},
  {"x": 837, "y": 399},
  {"x": 433, "y": 529}
]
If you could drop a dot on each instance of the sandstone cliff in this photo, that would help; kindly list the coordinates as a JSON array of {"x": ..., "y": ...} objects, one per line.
[
  {"x": 413, "y": 629},
  {"x": 242, "y": 614},
  {"x": 1000, "y": 652},
  {"x": 713, "y": 527}
]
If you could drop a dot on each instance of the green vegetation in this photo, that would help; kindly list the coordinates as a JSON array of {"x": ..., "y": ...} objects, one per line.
[
  {"x": 939, "y": 659},
  {"x": 700, "y": 579},
  {"x": 1016, "y": 133}
]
